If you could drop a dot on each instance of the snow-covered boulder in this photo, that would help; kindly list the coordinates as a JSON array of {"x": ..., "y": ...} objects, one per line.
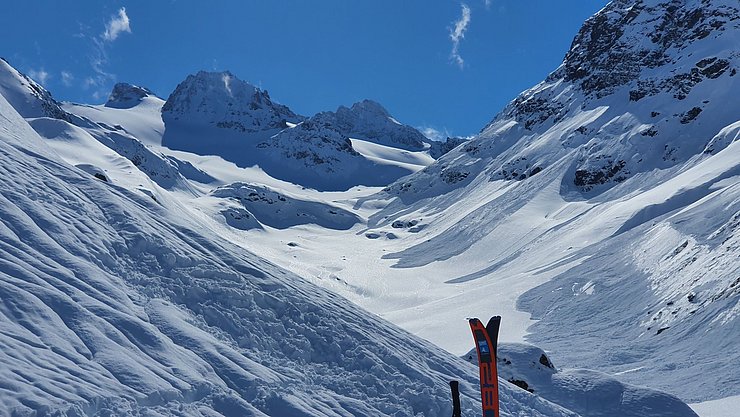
[
  {"x": 586, "y": 392},
  {"x": 278, "y": 210}
]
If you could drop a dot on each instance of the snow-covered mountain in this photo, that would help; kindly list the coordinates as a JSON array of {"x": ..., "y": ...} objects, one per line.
[
  {"x": 218, "y": 114},
  {"x": 220, "y": 100},
  {"x": 610, "y": 192},
  {"x": 114, "y": 304},
  {"x": 123, "y": 300},
  {"x": 368, "y": 120},
  {"x": 145, "y": 272}
]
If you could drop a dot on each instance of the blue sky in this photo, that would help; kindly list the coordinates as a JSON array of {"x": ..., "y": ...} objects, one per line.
[{"x": 441, "y": 64}]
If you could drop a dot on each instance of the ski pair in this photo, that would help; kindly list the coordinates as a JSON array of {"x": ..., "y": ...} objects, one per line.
[{"x": 486, "y": 344}]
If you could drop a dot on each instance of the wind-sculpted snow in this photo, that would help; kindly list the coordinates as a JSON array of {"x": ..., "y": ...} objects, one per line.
[
  {"x": 674, "y": 283},
  {"x": 116, "y": 305}
]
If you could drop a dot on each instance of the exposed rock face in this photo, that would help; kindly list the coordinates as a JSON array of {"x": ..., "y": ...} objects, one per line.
[
  {"x": 617, "y": 45},
  {"x": 440, "y": 148},
  {"x": 126, "y": 95}
]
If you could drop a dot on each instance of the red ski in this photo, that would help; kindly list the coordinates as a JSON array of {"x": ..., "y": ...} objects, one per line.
[{"x": 486, "y": 340}]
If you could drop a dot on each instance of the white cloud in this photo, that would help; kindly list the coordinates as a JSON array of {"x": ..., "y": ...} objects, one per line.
[
  {"x": 117, "y": 25},
  {"x": 457, "y": 34},
  {"x": 67, "y": 78},
  {"x": 434, "y": 134},
  {"x": 89, "y": 82},
  {"x": 40, "y": 76},
  {"x": 488, "y": 4}
]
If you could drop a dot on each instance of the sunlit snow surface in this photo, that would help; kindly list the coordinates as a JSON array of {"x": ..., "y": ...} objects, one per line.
[
  {"x": 121, "y": 297},
  {"x": 167, "y": 284},
  {"x": 120, "y": 302}
]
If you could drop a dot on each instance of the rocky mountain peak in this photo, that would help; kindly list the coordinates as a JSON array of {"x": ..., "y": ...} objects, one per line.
[
  {"x": 366, "y": 108},
  {"x": 222, "y": 100},
  {"x": 368, "y": 120},
  {"x": 640, "y": 48},
  {"x": 627, "y": 38},
  {"x": 126, "y": 95},
  {"x": 645, "y": 85}
]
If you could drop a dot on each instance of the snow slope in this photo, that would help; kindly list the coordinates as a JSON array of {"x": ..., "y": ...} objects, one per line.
[
  {"x": 602, "y": 201},
  {"x": 575, "y": 198},
  {"x": 116, "y": 305},
  {"x": 586, "y": 184},
  {"x": 135, "y": 109}
]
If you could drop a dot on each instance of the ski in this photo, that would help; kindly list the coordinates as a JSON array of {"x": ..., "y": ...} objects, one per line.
[{"x": 486, "y": 340}]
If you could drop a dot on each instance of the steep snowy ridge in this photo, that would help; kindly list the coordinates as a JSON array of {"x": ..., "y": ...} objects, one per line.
[
  {"x": 69, "y": 130},
  {"x": 26, "y": 95},
  {"x": 115, "y": 305}
]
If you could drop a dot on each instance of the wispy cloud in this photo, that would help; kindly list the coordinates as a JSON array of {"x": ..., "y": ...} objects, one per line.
[
  {"x": 40, "y": 76},
  {"x": 67, "y": 78},
  {"x": 457, "y": 33},
  {"x": 488, "y": 4},
  {"x": 434, "y": 134},
  {"x": 117, "y": 25}
]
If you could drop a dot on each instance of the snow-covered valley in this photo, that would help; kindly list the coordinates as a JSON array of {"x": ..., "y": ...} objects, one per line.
[{"x": 216, "y": 252}]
